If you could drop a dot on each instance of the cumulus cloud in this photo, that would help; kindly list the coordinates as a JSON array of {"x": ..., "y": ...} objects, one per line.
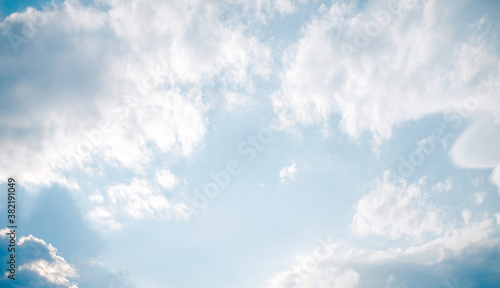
[
  {"x": 118, "y": 84},
  {"x": 287, "y": 174},
  {"x": 446, "y": 185},
  {"x": 96, "y": 197},
  {"x": 321, "y": 278},
  {"x": 40, "y": 264},
  {"x": 429, "y": 263},
  {"x": 138, "y": 199},
  {"x": 366, "y": 64},
  {"x": 395, "y": 210},
  {"x": 104, "y": 216},
  {"x": 55, "y": 269},
  {"x": 166, "y": 179},
  {"x": 398, "y": 212}
]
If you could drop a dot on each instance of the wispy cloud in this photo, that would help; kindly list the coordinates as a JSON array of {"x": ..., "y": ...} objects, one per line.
[{"x": 287, "y": 174}]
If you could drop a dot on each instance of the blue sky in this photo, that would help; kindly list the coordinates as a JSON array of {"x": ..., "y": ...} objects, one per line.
[{"x": 238, "y": 144}]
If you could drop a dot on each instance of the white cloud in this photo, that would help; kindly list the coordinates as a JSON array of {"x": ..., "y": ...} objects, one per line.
[
  {"x": 104, "y": 217},
  {"x": 56, "y": 273},
  {"x": 137, "y": 200},
  {"x": 287, "y": 174},
  {"x": 466, "y": 214},
  {"x": 43, "y": 259},
  {"x": 116, "y": 85},
  {"x": 390, "y": 265},
  {"x": 395, "y": 210},
  {"x": 3, "y": 232},
  {"x": 381, "y": 84},
  {"x": 234, "y": 101},
  {"x": 317, "y": 277},
  {"x": 477, "y": 147},
  {"x": 479, "y": 198},
  {"x": 454, "y": 242},
  {"x": 166, "y": 179},
  {"x": 96, "y": 197},
  {"x": 495, "y": 177},
  {"x": 447, "y": 185}
]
